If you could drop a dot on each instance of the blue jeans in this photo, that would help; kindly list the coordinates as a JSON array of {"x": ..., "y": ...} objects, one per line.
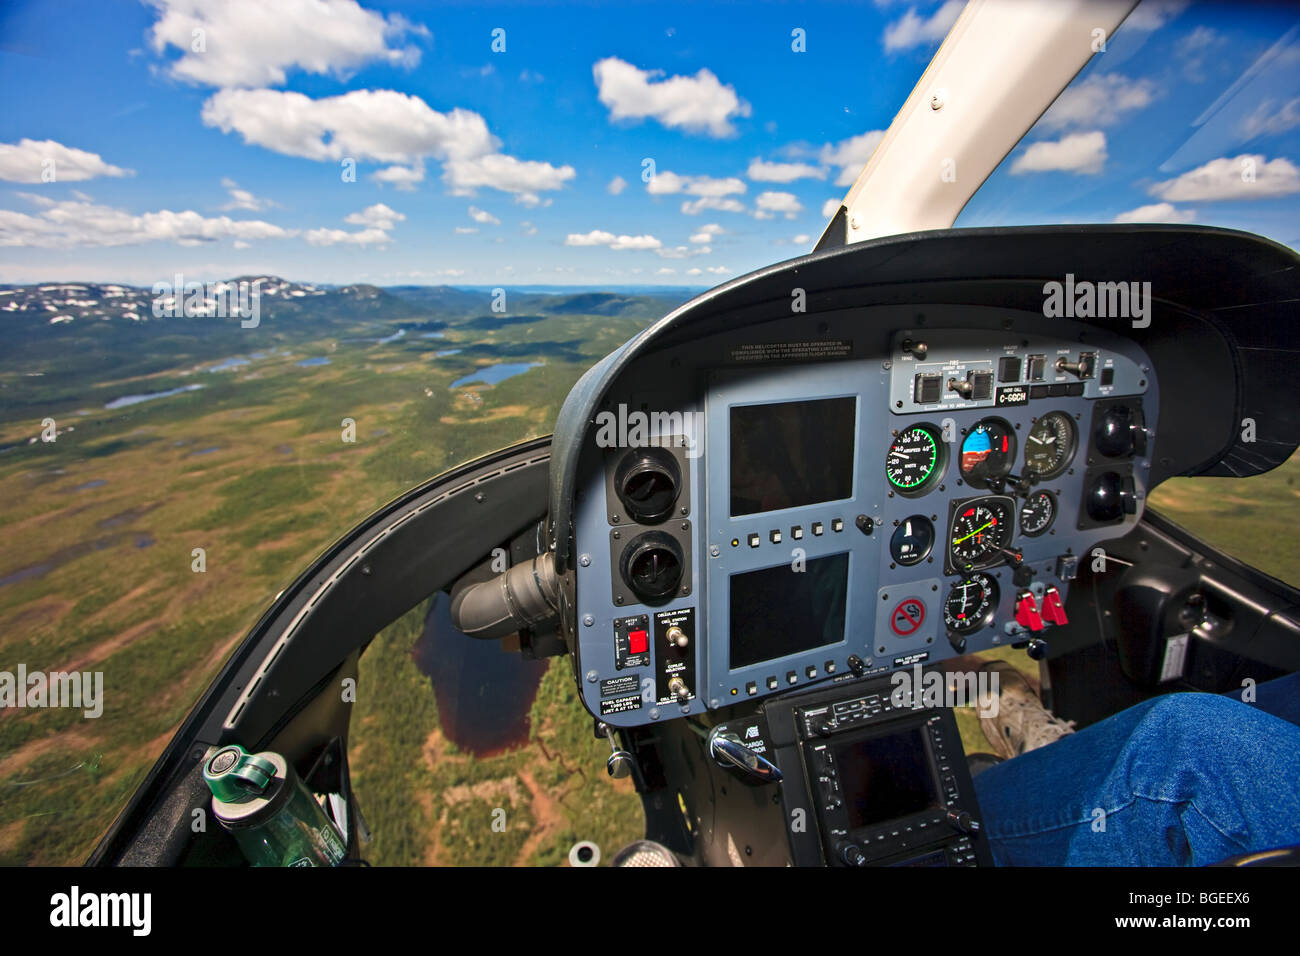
[{"x": 1183, "y": 779}]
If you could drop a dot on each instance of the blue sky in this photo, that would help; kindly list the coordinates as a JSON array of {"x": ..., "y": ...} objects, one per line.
[{"x": 223, "y": 151}]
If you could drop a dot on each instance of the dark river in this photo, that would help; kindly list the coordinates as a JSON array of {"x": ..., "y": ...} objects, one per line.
[{"x": 483, "y": 693}]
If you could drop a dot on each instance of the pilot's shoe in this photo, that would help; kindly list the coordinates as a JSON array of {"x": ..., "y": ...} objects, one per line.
[{"x": 1021, "y": 723}]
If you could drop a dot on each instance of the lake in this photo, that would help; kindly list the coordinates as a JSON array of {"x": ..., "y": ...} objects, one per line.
[
  {"x": 494, "y": 374},
  {"x": 484, "y": 694},
  {"x": 126, "y": 400}
]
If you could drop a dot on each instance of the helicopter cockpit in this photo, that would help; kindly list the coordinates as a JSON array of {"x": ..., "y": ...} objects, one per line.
[{"x": 771, "y": 530}]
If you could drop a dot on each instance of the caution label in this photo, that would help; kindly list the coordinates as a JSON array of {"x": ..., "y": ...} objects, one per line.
[
  {"x": 811, "y": 350},
  {"x": 619, "y": 685}
]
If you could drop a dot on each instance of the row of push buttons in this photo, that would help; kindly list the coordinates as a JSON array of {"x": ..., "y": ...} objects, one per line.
[
  {"x": 946, "y": 776},
  {"x": 791, "y": 677},
  {"x": 796, "y": 533}
]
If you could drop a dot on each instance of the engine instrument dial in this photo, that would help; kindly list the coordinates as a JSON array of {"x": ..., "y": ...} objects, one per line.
[{"x": 1037, "y": 513}]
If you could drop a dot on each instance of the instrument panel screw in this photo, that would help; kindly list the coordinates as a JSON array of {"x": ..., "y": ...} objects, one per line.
[
  {"x": 480, "y": 497},
  {"x": 587, "y": 621},
  {"x": 714, "y": 550},
  {"x": 585, "y": 560},
  {"x": 592, "y": 677},
  {"x": 886, "y": 365}
]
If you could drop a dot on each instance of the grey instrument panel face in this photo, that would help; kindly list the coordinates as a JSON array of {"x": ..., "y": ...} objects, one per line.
[{"x": 827, "y": 505}]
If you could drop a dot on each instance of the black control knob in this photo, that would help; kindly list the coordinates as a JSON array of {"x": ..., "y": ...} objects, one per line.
[
  {"x": 857, "y": 665},
  {"x": 647, "y": 482},
  {"x": 1036, "y": 648},
  {"x": 851, "y": 854},
  {"x": 652, "y": 565},
  {"x": 958, "y": 642},
  {"x": 961, "y": 821},
  {"x": 823, "y": 728}
]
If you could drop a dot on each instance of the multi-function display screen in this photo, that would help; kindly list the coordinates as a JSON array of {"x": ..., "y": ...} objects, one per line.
[
  {"x": 779, "y": 611},
  {"x": 789, "y": 454},
  {"x": 885, "y": 777}
]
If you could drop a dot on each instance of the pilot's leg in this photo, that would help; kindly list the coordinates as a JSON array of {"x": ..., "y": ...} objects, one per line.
[{"x": 1183, "y": 779}]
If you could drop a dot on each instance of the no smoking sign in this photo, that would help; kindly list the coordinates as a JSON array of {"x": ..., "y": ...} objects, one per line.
[{"x": 907, "y": 617}]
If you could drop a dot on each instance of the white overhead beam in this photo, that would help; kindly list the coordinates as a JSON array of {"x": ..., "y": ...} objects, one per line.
[{"x": 1001, "y": 66}]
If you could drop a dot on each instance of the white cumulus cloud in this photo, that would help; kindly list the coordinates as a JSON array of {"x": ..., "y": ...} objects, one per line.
[
  {"x": 1249, "y": 176},
  {"x": 616, "y": 185},
  {"x": 1083, "y": 153},
  {"x": 382, "y": 126},
  {"x": 242, "y": 198},
  {"x": 764, "y": 172},
  {"x": 770, "y": 203},
  {"x": 694, "y": 207},
  {"x": 1101, "y": 100},
  {"x": 598, "y": 237},
  {"x": 403, "y": 178},
  {"x": 667, "y": 183},
  {"x": 82, "y": 223},
  {"x": 1156, "y": 212},
  {"x": 483, "y": 216},
  {"x": 705, "y": 234},
  {"x": 699, "y": 103},
  {"x": 245, "y": 43},
  {"x": 38, "y": 161},
  {"x": 334, "y": 237},
  {"x": 378, "y": 216}
]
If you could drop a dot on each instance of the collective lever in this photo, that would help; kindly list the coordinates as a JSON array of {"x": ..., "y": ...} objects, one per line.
[{"x": 620, "y": 761}]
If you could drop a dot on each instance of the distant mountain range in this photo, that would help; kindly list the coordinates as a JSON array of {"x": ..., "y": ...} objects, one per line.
[{"x": 24, "y": 308}]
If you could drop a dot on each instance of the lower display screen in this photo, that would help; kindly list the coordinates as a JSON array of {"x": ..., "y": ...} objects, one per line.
[
  {"x": 777, "y": 611},
  {"x": 884, "y": 778}
]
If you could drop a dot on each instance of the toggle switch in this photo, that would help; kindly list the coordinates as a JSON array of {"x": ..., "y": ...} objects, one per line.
[
  {"x": 1054, "y": 608},
  {"x": 1027, "y": 615}
]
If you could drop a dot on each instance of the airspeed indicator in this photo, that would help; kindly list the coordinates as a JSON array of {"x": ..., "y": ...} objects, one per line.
[{"x": 915, "y": 460}]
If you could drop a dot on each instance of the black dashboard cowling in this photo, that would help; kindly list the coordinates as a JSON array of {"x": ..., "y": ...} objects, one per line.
[{"x": 1228, "y": 327}]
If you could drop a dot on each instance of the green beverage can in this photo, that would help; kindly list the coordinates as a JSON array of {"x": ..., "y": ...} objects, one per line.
[{"x": 274, "y": 818}]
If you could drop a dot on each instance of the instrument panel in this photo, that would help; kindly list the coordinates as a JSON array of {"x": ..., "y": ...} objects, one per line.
[{"x": 765, "y": 513}]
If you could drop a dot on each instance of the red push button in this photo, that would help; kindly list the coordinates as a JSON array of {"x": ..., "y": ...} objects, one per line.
[
  {"x": 1027, "y": 612},
  {"x": 1054, "y": 608},
  {"x": 638, "y": 642}
]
